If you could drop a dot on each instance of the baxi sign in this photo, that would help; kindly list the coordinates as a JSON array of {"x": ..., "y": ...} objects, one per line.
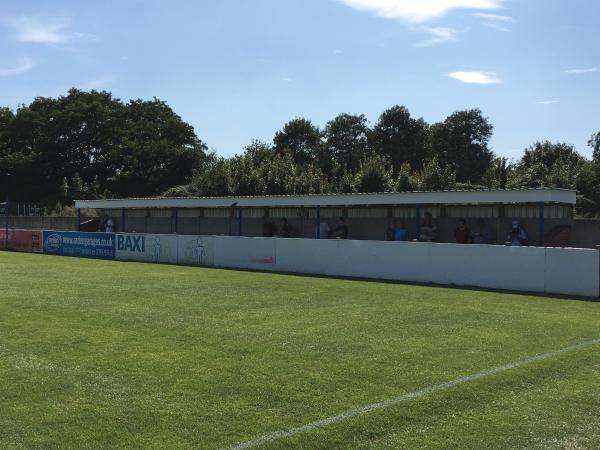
[
  {"x": 146, "y": 247},
  {"x": 131, "y": 243},
  {"x": 87, "y": 245}
]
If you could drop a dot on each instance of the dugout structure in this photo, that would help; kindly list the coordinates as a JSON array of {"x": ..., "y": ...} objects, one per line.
[{"x": 546, "y": 214}]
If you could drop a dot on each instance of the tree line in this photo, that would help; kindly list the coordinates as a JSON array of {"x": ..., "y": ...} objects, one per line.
[{"x": 91, "y": 145}]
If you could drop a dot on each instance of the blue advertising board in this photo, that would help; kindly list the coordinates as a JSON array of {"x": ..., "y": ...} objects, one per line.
[{"x": 87, "y": 245}]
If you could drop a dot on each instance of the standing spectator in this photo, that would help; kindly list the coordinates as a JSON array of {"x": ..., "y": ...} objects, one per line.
[
  {"x": 483, "y": 234},
  {"x": 341, "y": 229},
  {"x": 517, "y": 236},
  {"x": 110, "y": 226},
  {"x": 462, "y": 232},
  {"x": 286, "y": 228},
  {"x": 324, "y": 230},
  {"x": 428, "y": 231}
]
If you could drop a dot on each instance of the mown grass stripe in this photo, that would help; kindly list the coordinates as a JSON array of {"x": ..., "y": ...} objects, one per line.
[{"x": 283, "y": 434}]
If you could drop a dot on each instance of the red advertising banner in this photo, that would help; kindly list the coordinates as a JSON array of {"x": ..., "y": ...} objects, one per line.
[{"x": 21, "y": 241}]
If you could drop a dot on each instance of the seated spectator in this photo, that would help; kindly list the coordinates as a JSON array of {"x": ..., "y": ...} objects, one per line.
[
  {"x": 483, "y": 234},
  {"x": 462, "y": 232},
  {"x": 517, "y": 236},
  {"x": 324, "y": 230},
  {"x": 286, "y": 228},
  {"x": 400, "y": 232},
  {"x": 341, "y": 230},
  {"x": 269, "y": 229},
  {"x": 428, "y": 232}
]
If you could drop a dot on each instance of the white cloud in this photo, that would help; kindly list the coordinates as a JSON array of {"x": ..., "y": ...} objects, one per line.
[
  {"x": 439, "y": 35},
  {"x": 50, "y": 31},
  {"x": 548, "y": 102},
  {"x": 98, "y": 83},
  {"x": 588, "y": 70},
  {"x": 418, "y": 11},
  {"x": 286, "y": 79},
  {"x": 23, "y": 65},
  {"x": 475, "y": 77},
  {"x": 496, "y": 26},
  {"x": 495, "y": 17}
]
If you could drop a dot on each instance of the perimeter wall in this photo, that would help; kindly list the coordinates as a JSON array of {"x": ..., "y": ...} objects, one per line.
[{"x": 532, "y": 269}]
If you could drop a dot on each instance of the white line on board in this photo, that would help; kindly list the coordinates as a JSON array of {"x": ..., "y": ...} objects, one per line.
[{"x": 278, "y": 435}]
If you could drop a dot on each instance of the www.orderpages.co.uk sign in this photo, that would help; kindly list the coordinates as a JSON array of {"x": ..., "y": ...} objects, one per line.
[{"x": 87, "y": 245}]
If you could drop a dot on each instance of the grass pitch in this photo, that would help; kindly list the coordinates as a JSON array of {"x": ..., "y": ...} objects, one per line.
[{"x": 100, "y": 354}]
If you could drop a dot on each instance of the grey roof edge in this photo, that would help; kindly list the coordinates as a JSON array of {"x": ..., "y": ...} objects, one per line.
[{"x": 523, "y": 195}]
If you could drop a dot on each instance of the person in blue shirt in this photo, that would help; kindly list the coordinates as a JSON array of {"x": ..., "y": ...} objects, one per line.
[{"x": 397, "y": 232}]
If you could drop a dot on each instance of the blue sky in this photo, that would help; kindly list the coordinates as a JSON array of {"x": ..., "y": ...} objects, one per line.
[{"x": 239, "y": 69}]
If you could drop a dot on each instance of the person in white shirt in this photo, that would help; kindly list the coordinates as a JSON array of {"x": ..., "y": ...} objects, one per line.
[
  {"x": 324, "y": 230},
  {"x": 517, "y": 236}
]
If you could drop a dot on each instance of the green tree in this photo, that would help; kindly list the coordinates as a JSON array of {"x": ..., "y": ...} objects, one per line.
[
  {"x": 157, "y": 150},
  {"x": 98, "y": 143},
  {"x": 547, "y": 164},
  {"x": 462, "y": 141},
  {"x": 435, "y": 176},
  {"x": 594, "y": 143},
  {"x": 301, "y": 138},
  {"x": 374, "y": 175},
  {"x": 400, "y": 138},
  {"x": 346, "y": 141},
  {"x": 497, "y": 174}
]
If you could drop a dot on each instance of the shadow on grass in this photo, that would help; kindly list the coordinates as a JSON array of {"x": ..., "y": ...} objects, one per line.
[{"x": 358, "y": 279}]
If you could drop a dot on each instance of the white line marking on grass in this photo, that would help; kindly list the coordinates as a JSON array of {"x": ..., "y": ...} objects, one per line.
[{"x": 278, "y": 435}]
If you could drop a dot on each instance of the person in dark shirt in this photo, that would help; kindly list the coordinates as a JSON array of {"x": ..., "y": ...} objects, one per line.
[
  {"x": 483, "y": 234},
  {"x": 269, "y": 229},
  {"x": 462, "y": 232},
  {"x": 341, "y": 229},
  {"x": 286, "y": 228}
]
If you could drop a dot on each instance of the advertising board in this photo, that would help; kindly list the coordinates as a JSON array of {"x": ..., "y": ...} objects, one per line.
[{"x": 87, "y": 245}]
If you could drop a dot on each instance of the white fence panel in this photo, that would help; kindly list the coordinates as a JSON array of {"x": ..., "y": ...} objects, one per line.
[
  {"x": 572, "y": 271},
  {"x": 245, "y": 253},
  {"x": 196, "y": 250},
  {"x": 550, "y": 270}
]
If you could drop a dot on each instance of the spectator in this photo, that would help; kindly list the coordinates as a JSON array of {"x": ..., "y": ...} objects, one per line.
[
  {"x": 462, "y": 232},
  {"x": 324, "y": 230},
  {"x": 517, "y": 236},
  {"x": 269, "y": 229},
  {"x": 483, "y": 234},
  {"x": 391, "y": 230},
  {"x": 341, "y": 230},
  {"x": 110, "y": 226},
  {"x": 286, "y": 229},
  {"x": 400, "y": 233},
  {"x": 428, "y": 232},
  {"x": 101, "y": 225}
]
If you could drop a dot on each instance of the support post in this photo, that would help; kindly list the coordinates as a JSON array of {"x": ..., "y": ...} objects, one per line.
[
  {"x": 6, "y": 219},
  {"x": 78, "y": 219},
  {"x": 318, "y": 221},
  {"x": 418, "y": 221},
  {"x": 541, "y": 224},
  {"x": 122, "y": 220},
  {"x": 240, "y": 211},
  {"x": 176, "y": 219}
]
